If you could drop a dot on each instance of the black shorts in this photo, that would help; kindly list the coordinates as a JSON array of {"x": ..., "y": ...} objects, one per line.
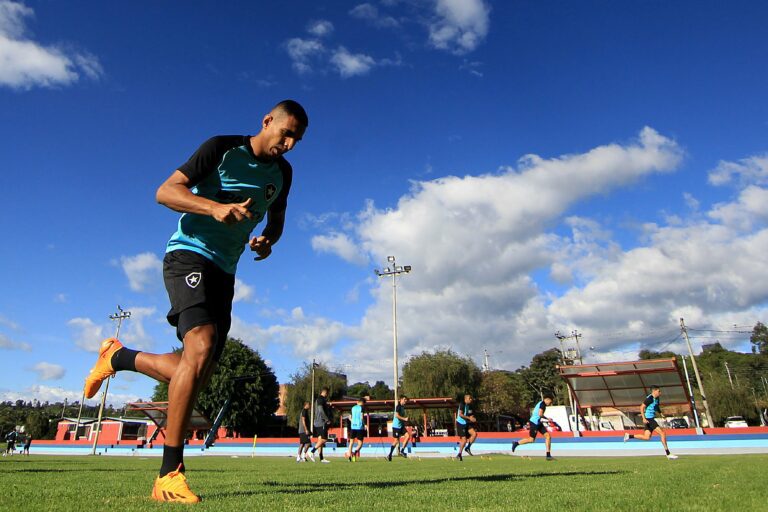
[
  {"x": 463, "y": 430},
  {"x": 200, "y": 294},
  {"x": 536, "y": 429},
  {"x": 357, "y": 434},
  {"x": 651, "y": 425},
  {"x": 304, "y": 438},
  {"x": 321, "y": 432},
  {"x": 397, "y": 433}
]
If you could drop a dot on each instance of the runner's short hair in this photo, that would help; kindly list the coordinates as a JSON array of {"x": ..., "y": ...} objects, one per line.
[{"x": 293, "y": 108}]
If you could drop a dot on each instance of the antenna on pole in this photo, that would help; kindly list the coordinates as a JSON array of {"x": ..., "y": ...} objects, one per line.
[
  {"x": 486, "y": 366},
  {"x": 120, "y": 315}
]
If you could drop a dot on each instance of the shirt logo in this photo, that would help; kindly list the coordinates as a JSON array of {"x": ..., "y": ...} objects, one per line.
[
  {"x": 194, "y": 279},
  {"x": 269, "y": 191}
]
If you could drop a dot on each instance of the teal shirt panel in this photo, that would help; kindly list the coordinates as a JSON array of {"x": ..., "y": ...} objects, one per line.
[
  {"x": 238, "y": 177},
  {"x": 357, "y": 418}
]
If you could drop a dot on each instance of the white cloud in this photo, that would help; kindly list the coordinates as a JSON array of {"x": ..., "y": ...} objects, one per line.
[
  {"x": 751, "y": 170},
  {"x": 88, "y": 335},
  {"x": 750, "y": 208},
  {"x": 144, "y": 271},
  {"x": 49, "y": 371},
  {"x": 25, "y": 63},
  {"x": 320, "y": 28},
  {"x": 243, "y": 292},
  {"x": 351, "y": 64},
  {"x": 371, "y": 13},
  {"x": 8, "y": 323},
  {"x": 341, "y": 245},
  {"x": 7, "y": 343},
  {"x": 459, "y": 26},
  {"x": 303, "y": 52},
  {"x": 43, "y": 393},
  {"x": 473, "y": 243}
]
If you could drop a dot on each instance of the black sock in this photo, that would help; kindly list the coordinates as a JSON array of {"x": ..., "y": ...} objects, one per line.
[
  {"x": 172, "y": 457},
  {"x": 666, "y": 451},
  {"x": 548, "y": 454},
  {"x": 321, "y": 455},
  {"x": 313, "y": 449},
  {"x": 124, "y": 359},
  {"x": 391, "y": 449},
  {"x": 631, "y": 436}
]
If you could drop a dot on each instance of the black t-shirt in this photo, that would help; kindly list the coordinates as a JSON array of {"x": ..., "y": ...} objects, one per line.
[{"x": 304, "y": 420}]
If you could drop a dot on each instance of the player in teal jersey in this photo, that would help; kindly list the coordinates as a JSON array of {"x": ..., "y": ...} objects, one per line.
[
  {"x": 465, "y": 424},
  {"x": 400, "y": 433},
  {"x": 357, "y": 430},
  {"x": 223, "y": 191},
  {"x": 648, "y": 409},
  {"x": 537, "y": 427}
]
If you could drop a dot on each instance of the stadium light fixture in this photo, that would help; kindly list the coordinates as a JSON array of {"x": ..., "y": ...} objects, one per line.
[{"x": 394, "y": 271}]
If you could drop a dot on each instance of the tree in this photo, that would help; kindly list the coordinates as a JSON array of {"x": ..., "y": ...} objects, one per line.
[
  {"x": 759, "y": 339},
  {"x": 359, "y": 389},
  {"x": 300, "y": 389},
  {"x": 501, "y": 392},
  {"x": 254, "y": 401},
  {"x": 650, "y": 354},
  {"x": 542, "y": 377},
  {"x": 380, "y": 391},
  {"x": 442, "y": 374}
]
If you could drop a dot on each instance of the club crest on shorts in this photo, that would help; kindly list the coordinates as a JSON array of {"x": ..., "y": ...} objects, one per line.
[
  {"x": 269, "y": 191},
  {"x": 193, "y": 279}
]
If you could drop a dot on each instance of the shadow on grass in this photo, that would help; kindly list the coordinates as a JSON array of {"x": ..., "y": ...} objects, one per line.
[{"x": 309, "y": 488}]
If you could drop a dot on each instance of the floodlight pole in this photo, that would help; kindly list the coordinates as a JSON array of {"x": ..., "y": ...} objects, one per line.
[
  {"x": 119, "y": 316},
  {"x": 394, "y": 272},
  {"x": 710, "y": 423},
  {"x": 312, "y": 400}
]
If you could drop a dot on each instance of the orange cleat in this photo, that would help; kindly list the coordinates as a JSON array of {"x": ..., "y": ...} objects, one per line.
[
  {"x": 102, "y": 370},
  {"x": 173, "y": 488}
]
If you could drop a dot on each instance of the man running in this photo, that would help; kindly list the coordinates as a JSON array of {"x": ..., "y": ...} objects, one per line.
[
  {"x": 223, "y": 191},
  {"x": 10, "y": 442},
  {"x": 648, "y": 409},
  {"x": 400, "y": 434},
  {"x": 304, "y": 440},
  {"x": 537, "y": 427},
  {"x": 465, "y": 423},
  {"x": 357, "y": 430},
  {"x": 322, "y": 421}
]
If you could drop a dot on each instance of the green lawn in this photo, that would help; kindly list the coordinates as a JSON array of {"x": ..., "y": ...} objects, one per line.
[{"x": 707, "y": 483}]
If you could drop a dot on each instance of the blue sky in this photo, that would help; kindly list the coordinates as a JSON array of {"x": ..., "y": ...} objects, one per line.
[{"x": 542, "y": 166}]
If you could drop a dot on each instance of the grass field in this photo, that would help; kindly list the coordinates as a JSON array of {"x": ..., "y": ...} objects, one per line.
[{"x": 707, "y": 483}]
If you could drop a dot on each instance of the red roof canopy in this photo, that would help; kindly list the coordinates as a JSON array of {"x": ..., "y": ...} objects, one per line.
[{"x": 625, "y": 384}]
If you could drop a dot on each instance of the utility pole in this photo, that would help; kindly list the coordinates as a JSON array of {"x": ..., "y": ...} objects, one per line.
[
  {"x": 486, "y": 366},
  {"x": 575, "y": 335},
  {"x": 120, "y": 315},
  {"x": 710, "y": 423},
  {"x": 728, "y": 371},
  {"x": 690, "y": 392}
]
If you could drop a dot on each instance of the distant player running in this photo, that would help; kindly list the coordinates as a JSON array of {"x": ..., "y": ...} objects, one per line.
[
  {"x": 465, "y": 421},
  {"x": 357, "y": 430},
  {"x": 648, "y": 409},
  {"x": 304, "y": 432},
  {"x": 322, "y": 421},
  {"x": 537, "y": 427},
  {"x": 399, "y": 432}
]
